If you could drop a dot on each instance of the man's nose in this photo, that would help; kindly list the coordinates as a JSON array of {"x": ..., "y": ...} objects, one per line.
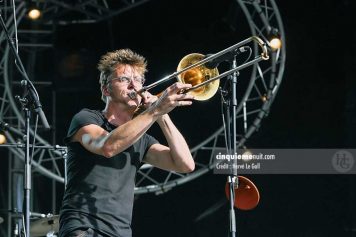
[{"x": 131, "y": 84}]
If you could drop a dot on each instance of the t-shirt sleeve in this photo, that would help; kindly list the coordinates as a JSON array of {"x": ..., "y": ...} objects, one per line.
[
  {"x": 81, "y": 119},
  {"x": 149, "y": 141}
]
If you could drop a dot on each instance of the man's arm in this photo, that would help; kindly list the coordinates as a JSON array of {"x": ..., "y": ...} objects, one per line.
[
  {"x": 177, "y": 156},
  {"x": 97, "y": 140}
]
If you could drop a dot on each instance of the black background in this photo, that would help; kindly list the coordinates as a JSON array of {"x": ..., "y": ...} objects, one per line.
[{"x": 314, "y": 108}]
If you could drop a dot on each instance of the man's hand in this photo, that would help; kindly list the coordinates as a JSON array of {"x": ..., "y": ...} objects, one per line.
[
  {"x": 148, "y": 99},
  {"x": 170, "y": 99}
]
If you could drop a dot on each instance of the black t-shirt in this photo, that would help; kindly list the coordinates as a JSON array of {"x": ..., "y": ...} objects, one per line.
[{"x": 100, "y": 190}]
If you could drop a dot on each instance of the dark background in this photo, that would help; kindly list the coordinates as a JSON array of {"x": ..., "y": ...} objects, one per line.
[{"x": 314, "y": 108}]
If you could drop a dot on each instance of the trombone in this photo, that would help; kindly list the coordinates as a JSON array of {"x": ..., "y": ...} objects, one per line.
[{"x": 204, "y": 80}]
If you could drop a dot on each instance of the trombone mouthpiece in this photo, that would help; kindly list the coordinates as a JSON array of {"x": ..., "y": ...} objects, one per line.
[{"x": 132, "y": 95}]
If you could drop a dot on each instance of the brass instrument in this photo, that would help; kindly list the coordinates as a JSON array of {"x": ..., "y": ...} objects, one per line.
[
  {"x": 205, "y": 81},
  {"x": 197, "y": 76}
]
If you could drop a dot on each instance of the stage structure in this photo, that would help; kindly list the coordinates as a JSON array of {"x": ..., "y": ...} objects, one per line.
[{"x": 263, "y": 20}]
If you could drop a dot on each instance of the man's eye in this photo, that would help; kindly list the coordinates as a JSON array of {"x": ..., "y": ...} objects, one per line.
[{"x": 125, "y": 79}]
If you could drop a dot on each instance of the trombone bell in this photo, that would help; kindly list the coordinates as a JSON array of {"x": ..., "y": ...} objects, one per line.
[{"x": 198, "y": 75}]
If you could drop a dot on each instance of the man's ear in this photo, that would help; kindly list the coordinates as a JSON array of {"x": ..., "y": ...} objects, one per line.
[{"x": 106, "y": 90}]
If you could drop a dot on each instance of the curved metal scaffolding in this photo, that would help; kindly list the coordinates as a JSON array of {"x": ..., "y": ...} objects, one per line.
[{"x": 264, "y": 81}]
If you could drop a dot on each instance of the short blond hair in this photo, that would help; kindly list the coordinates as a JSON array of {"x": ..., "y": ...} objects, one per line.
[{"x": 111, "y": 60}]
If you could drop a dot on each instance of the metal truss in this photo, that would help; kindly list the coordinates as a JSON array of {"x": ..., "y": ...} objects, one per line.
[
  {"x": 258, "y": 94},
  {"x": 66, "y": 12}
]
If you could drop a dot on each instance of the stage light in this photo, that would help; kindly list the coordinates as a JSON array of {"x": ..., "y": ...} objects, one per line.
[
  {"x": 2, "y": 138},
  {"x": 275, "y": 43},
  {"x": 274, "y": 39},
  {"x": 246, "y": 154},
  {"x": 34, "y": 13},
  {"x": 264, "y": 98}
]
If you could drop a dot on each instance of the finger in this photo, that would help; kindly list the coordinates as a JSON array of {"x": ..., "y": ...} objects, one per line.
[
  {"x": 185, "y": 97},
  {"x": 148, "y": 93},
  {"x": 178, "y": 83},
  {"x": 181, "y": 97},
  {"x": 176, "y": 87},
  {"x": 145, "y": 95},
  {"x": 147, "y": 98},
  {"x": 151, "y": 99},
  {"x": 184, "y": 103}
]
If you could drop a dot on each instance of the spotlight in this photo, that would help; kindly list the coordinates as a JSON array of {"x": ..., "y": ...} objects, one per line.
[
  {"x": 246, "y": 154},
  {"x": 2, "y": 138},
  {"x": 274, "y": 39},
  {"x": 34, "y": 12},
  {"x": 264, "y": 98}
]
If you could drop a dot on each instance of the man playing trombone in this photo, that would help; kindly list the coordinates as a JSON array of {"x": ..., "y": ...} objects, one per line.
[{"x": 106, "y": 148}]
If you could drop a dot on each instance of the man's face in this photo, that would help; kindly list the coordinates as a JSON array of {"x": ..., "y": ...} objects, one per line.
[{"x": 123, "y": 81}]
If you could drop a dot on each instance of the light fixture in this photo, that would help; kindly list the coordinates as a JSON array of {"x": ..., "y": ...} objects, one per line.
[
  {"x": 274, "y": 39},
  {"x": 3, "y": 128},
  {"x": 2, "y": 138},
  {"x": 33, "y": 13},
  {"x": 264, "y": 98}
]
